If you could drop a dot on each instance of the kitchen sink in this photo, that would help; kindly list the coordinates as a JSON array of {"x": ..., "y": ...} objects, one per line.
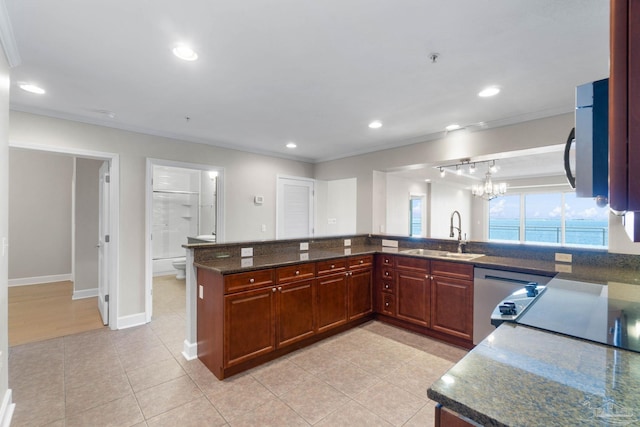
[{"x": 441, "y": 254}]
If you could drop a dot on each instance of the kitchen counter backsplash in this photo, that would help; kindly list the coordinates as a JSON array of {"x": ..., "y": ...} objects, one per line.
[{"x": 534, "y": 255}]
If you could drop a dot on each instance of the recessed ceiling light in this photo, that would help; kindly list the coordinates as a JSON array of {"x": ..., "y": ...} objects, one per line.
[
  {"x": 183, "y": 51},
  {"x": 453, "y": 127},
  {"x": 28, "y": 87},
  {"x": 375, "y": 124},
  {"x": 291, "y": 145},
  {"x": 489, "y": 91}
]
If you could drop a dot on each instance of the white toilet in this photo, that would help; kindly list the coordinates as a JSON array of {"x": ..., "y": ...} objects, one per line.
[{"x": 180, "y": 264}]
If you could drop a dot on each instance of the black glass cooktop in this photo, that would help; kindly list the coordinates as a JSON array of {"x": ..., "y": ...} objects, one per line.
[{"x": 608, "y": 314}]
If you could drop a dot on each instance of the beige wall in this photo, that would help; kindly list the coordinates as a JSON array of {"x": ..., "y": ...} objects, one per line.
[
  {"x": 40, "y": 187},
  {"x": 246, "y": 175},
  {"x": 4, "y": 226},
  {"x": 86, "y": 225}
]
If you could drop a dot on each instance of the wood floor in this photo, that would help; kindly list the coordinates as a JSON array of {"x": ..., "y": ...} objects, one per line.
[{"x": 40, "y": 312}]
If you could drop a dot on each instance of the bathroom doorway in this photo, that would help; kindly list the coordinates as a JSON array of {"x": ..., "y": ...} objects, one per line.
[
  {"x": 184, "y": 200},
  {"x": 82, "y": 214}
]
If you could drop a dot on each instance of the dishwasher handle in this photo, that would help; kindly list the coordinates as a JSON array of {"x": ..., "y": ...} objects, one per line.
[{"x": 508, "y": 279}]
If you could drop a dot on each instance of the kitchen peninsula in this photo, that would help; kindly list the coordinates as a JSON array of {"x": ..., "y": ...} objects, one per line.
[{"x": 306, "y": 295}]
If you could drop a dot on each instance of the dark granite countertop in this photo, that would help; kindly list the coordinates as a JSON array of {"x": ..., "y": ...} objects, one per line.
[
  {"x": 583, "y": 272},
  {"x": 520, "y": 376}
]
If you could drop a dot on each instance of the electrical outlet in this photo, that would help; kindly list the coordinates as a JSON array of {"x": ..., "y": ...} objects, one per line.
[
  {"x": 560, "y": 257},
  {"x": 347, "y": 251},
  {"x": 246, "y": 252},
  {"x": 246, "y": 262},
  {"x": 390, "y": 243},
  {"x": 304, "y": 246},
  {"x": 304, "y": 257},
  {"x": 347, "y": 242},
  {"x": 563, "y": 268}
]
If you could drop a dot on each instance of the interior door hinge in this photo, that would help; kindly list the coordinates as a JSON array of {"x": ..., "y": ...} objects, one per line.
[
  {"x": 106, "y": 298},
  {"x": 106, "y": 238},
  {"x": 107, "y": 178}
]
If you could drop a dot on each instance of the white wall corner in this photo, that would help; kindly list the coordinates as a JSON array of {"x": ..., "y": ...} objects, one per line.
[
  {"x": 6, "y": 410},
  {"x": 85, "y": 293},
  {"x": 190, "y": 350},
  {"x": 6, "y": 37},
  {"x": 131, "y": 321}
]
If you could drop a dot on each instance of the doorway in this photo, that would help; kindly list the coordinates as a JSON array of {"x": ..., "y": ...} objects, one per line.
[
  {"x": 108, "y": 272},
  {"x": 182, "y": 200},
  {"x": 294, "y": 207}
]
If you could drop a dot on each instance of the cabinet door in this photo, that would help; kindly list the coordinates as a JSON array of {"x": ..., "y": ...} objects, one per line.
[
  {"x": 295, "y": 310},
  {"x": 249, "y": 328},
  {"x": 331, "y": 301},
  {"x": 452, "y": 306},
  {"x": 413, "y": 297},
  {"x": 360, "y": 293}
]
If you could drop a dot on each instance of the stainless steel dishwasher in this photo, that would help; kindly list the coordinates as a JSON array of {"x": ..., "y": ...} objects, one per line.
[{"x": 489, "y": 288}]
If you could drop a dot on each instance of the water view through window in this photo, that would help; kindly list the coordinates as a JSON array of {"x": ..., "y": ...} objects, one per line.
[{"x": 555, "y": 218}]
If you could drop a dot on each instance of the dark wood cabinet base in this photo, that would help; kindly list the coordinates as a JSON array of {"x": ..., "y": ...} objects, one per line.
[
  {"x": 463, "y": 343},
  {"x": 222, "y": 373}
]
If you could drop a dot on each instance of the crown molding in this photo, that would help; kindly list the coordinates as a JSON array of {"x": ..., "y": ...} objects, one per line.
[{"x": 7, "y": 39}]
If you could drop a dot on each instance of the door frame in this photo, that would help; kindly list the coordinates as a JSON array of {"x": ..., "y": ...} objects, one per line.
[
  {"x": 114, "y": 213},
  {"x": 220, "y": 235}
]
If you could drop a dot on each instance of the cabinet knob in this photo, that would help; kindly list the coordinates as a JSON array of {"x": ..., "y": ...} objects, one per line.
[
  {"x": 333, "y": 266},
  {"x": 273, "y": 289},
  {"x": 386, "y": 286},
  {"x": 361, "y": 261},
  {"x": 297, "y": 272},
  {"x": 252, "y": 280},
  {"x": 386, "y": 304},
  {"x": 280, "y": 288},
  {"x": 386, "y": 261},
  {"x": 386, "y": 273}
]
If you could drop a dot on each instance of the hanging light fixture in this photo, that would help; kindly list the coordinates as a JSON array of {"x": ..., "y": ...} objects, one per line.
[{"x": 489, "y": 190}]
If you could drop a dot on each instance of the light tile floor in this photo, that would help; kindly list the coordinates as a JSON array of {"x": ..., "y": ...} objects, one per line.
[{"x": 373, "y": 375}]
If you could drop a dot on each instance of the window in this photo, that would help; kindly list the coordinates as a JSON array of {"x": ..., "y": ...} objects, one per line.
[
  {"x": 416, "y": 211},
  {"x": 550, "y": 218}
]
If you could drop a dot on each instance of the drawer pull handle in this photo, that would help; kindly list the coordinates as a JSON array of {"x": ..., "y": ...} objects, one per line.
[
  {"x": 361, "y": 261},
  {"x": 273, "y": 290},
  {"x": 297, "y": 272},
  {"x": 386, "y": 261},
  {"x": 386, "y": 304},
  {"x": 333, "y": 266},
  {"x": 280, "y": 288},
  {"x": 386, "y": 273},
  {"x": 252, "y": 280},
  {"x": 386, "y": 286}
]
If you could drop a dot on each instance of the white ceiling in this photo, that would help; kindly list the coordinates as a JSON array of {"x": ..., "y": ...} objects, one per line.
[{"x": 308, "y": 71}]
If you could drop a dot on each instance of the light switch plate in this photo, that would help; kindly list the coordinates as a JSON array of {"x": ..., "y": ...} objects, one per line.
[
  {"x": 304, "y": 246},
  {"x": 246, "y": 252},
  {"x": 560, "y": 257},
  {"x": 200, "y": 291}
]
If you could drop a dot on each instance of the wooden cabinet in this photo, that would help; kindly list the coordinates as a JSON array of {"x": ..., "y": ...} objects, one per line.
[
  {"x": 624, "y": 113},
  {"x": 295, "y": 310},
  {"x": 360, "y": 287},
  {"x": 249, "y": 325},
  {"x": 332, "y": 298},
  {"x": 433, "y": 297},
  {"x": 452, "y": 299},
  {"x": 447, "y": 418},
  {"x": 413, "y": 290}
]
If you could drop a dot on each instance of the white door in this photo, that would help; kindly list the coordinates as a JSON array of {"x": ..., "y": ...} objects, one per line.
[
  {"x": 295, "y": 208},
  {"x": 103, "y": 242}
]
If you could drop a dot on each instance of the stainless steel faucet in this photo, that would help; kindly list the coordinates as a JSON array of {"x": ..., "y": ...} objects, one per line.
[{"x": 459, "y": 228}]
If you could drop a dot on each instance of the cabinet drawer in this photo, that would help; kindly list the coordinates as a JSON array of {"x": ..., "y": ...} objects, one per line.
[
  {"x": 295, "y": 272},
  {"x": 250, "y": 280},
  {"x": 331, "y": 267},
  {"x": 386, "y": 260},
  {"x": 387, "y": 304},
  {"x": 365, "y": 261},
  {"x": 387, "y": 286},
  {"x": 411, "y": 263},
  {"x": 452, "y": 269}
]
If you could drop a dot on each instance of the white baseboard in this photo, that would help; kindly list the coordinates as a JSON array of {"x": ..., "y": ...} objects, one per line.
[
  {"x": 6, "y": 410},
  {"x": 85, "y": 293},
  {"x": 131, "y": 321},
  {"x": 189, "y": 350},
  {"x": 40, "y": 279}
]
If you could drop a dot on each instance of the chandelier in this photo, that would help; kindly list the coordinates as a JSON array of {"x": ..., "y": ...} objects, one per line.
[{"x": 489, "y": 190}]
